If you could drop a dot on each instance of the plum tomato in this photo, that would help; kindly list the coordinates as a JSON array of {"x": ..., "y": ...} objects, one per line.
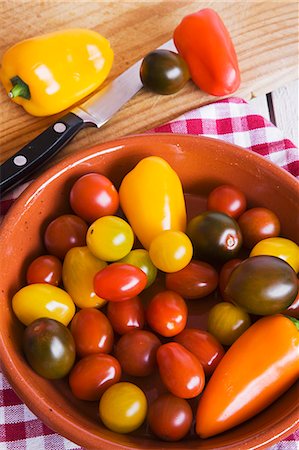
[
  {"x": 119, "y": 282},
  {"x": 92, "y": 332},
  {"x": 170, "y": 417},
  {"x": 257, "y": 224},
  {"x": 281, "y": 247},
  {"x": 227, "y": 322},
  {"x": 78, "y": 271},
  {"x": 216, "y": 237},
  {"x": 49, "y": 348},
  {"x": 224, "y": 274},
  {"x": 110, "y": 238},
  {"x": 123, "y": 407},
  {"x": 166, "y": 313},
  {"x": 164, "y": 72},
  {"x": 203, "y": 345},
  {"x": 198, "y": 279},
  {"x": 180, "y": 370},
  {"x": 126, "y": 316},
  {"x": 44, "y": 269},
  {"x": 171, "y": 251},
  {"x": 43, "y": 300},
  {"x": 228, "y": 199},
  {"x": 92, "y": 196},
  {"x": 140, "y": 258},
  {"x": 262, "y": 285},
  {"x": 136, "y": 352},
  {"x": 92, "y": 375},
  {"x": 63, "y": 233}
]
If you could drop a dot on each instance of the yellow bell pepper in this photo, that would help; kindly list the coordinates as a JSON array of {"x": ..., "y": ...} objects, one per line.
[
  {"x": 151, "y": 196},
  {"x": 49, "y": 73}
]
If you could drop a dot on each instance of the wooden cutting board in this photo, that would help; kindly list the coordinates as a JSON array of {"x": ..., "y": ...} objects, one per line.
[{"x": 265, "y": 35}]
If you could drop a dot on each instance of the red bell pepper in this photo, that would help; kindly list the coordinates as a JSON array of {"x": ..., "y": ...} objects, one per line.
[{"x": 204, "y": 42}]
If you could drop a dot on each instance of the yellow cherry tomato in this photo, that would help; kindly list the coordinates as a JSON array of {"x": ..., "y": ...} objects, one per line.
[
  {"x": 78, "y": 271},
  {"x": 171, "y": 251},
  {"x": 110, "y": 238},
  {"x": 123, "y": 407},
  {"x": 43, "y": 300},
  {"x": 281, "y": 248}
]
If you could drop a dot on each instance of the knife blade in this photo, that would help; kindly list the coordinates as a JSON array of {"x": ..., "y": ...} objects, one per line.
[{"x": 95, "y": 111}]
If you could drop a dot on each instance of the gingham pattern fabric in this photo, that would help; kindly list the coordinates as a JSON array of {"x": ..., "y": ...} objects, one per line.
[{"x": 231, "y": 120}]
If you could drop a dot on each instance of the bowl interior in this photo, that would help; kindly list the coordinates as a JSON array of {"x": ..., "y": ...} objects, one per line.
[{"x": 202, "y": 164}]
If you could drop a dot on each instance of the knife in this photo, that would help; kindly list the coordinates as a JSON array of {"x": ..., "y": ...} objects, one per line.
[{"x": 95, "y": 111}]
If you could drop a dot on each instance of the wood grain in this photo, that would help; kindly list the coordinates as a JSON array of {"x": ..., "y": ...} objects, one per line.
[{"x": 264, "y": 34}]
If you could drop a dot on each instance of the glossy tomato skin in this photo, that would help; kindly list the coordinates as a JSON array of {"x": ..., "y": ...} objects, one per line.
[
  {"x": 216, "y": 237},
  {"x": 204, "y": 346},
  {"x": 92, "y": 332},
  {"x": 228, "y": 199},
  {"x": 180, "y": 370},
  {"x": 166, "y": 313},
  {"x": 170, "y": 417},
  {"x": 224, "y": 275},
  {"x": 293, "y": 309},
  {"x": 42, "y": 338},
  {"x": 119, "y": 282},
  {"x": 281, "y": 248},
  {"x": 44, "y": 269},
  {"x": 43, "y": 300},
  {"x": 140, "y": 258},
  {"x": 263, "y": 285},
  {"x": 227, "y": 322},
  {"x": 110, "y": 238},
  {"x": 123, "y": 407},
  {"x": 198, "y": 279},
  {"x": 92, "y": 375},
  {"x": 126, "y": 316},
  {"x": 164, "y": 72},
  {"x": 63, "y": 233},
  {"x": 92, "y": 196},
  {"x": 136, "y": 351},
  {"x": 171, "y": 250},
  {"x": 257, "y": 224}
]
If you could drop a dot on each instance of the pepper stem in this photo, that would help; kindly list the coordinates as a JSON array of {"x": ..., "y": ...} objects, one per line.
[
  {"x": 19, "y": 89},
  {"x": 295, "y": 321}
]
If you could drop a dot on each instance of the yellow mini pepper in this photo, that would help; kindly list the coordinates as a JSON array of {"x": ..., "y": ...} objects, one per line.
[
  {"x": 49, "y": 73},
  {"x": 151, "y": 196}
]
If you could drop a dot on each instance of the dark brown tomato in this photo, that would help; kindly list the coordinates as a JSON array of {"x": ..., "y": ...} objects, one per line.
[{"x": 224, "y": 275}]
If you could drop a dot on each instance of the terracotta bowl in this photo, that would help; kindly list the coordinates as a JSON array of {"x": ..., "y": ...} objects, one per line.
[{"x": 202, "y": 164}]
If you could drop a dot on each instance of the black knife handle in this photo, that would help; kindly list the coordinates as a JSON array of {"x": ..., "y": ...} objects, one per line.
[{"x": 23, "y": 163}]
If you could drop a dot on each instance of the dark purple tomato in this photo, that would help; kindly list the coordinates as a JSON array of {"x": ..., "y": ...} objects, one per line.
[
  {"x": 263, "y": 285},
  {"x": 216, "y": 237}
]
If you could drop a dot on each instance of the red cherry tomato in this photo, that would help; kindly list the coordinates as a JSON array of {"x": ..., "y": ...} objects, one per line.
[
  {"x": 224, "y": 274},
  {"x": 44, "y": 269},
  {"x": 196, "y": 280},
  {"x": 126, "y": 316},
  {"x": 257, "y": 224},
  {"x": 92, "y": 375},
  {"x": 93, "y": 196},
  {"x": 180, "y": 370},
  {"x": 118, "y": 282},
  {"x": 136, "y": 352},
  {"x": 227, "y": 199},
  {"x": 63, "y": 233},
  {"x": 92, "y": 332},
  {"x": 204, "y": 346},
  {"x": 170, "y": 417},
  {"x": 166, "y": 313}
]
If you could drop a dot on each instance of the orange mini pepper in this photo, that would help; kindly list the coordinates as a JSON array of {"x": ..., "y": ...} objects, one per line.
[
  {"x": 204, "y": 42},
  {"x": 260, "y": 366}
]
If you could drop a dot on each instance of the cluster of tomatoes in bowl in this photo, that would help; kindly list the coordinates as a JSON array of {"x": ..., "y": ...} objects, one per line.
[{"x": 113, "y": 316}]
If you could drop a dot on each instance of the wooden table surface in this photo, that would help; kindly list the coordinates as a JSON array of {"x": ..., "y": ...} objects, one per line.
[{"x": 264, "y": 33}]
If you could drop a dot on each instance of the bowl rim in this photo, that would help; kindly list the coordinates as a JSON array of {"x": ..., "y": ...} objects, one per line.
[{"x": 16, "y": 380}]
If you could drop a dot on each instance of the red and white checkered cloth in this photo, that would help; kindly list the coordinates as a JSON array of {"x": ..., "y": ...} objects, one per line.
[{"x": 231, "y": 120}]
